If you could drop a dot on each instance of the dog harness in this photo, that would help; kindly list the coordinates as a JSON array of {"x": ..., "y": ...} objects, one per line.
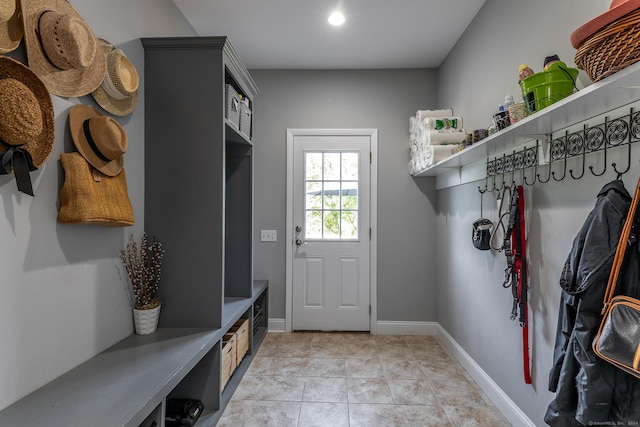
[{"x": 515, "y": 248}]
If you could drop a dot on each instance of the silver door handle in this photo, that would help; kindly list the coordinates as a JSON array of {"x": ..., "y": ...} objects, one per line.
[{"x": 300, "y": 242}]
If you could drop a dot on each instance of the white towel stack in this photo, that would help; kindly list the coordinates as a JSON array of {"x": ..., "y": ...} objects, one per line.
[{"x": 434, "y": 135}]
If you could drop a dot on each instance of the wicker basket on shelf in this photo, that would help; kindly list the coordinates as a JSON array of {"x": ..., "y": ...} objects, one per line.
[{"x": 611, "y": 49}]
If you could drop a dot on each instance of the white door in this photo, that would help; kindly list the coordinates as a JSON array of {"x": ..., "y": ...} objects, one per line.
[{"x": 330, "y": 242}]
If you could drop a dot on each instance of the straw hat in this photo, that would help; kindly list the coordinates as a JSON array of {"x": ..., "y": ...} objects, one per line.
[
  {"x": 617, "y": 10},
  {"x": 100, "y": 139},
  {"x": 10, "y": 25},
  {"x": 118, "y": 93},
  {"x": 26, "y": 122},
  {"x": 61, "y": 48}
]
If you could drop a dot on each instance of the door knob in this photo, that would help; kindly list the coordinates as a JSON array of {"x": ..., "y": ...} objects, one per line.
[
  {"x": 300, "y": 242},
  {"x": 298, "y": 229}
]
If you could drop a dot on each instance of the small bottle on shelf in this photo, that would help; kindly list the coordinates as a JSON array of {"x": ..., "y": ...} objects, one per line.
[
  {"x": 524, "y": 71},
  {"x": 549, "y": 60}
]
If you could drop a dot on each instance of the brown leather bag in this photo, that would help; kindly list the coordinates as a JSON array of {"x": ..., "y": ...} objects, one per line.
[
  {"x": 618, "y": 338},
  {"x": 90, "y": 197}
]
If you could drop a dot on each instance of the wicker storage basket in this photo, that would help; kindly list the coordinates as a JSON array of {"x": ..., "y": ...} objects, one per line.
[{"x": 611, "y": 49}]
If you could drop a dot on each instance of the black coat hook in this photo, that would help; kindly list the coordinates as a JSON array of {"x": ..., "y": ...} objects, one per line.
[
  {"x": 535, "y": 168},
  {"x": 584, "y": 148},
  {"x": 620, "y": 173},
  {"x": 544, "y": 181},
  {"x": 564, "y": 171},
  {"x": 486, "y": 180},
  {"x": 604, "y": 141}
]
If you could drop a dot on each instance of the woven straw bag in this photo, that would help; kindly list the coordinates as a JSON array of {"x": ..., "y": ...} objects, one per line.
[{"x": 91, "y": 197}]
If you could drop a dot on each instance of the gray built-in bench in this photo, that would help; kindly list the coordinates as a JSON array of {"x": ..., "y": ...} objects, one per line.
[{"x": 128, "y": 384}]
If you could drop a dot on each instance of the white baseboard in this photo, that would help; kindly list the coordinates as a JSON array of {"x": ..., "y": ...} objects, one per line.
[
  {"x": 509, "y": 409},
  {"x": 276, "y": 325},
  {"x": 383, "y": 327},
  {"x": 406, "y": 328}
]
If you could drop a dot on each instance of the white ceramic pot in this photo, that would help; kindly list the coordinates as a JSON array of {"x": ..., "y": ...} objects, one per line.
[{"x": 146, "y": 321}]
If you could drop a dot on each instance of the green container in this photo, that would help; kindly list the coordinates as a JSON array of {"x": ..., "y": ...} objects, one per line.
[{"x": 542, "y": 89}]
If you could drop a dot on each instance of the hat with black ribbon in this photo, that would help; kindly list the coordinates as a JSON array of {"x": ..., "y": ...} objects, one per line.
[
  {"x": 26, "y": 122},
  {"x": 100, "y": 139}
]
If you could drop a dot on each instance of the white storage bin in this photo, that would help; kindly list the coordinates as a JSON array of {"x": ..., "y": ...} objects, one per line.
[
  {"x": 245, "y": 119},
  {"x": 232, "y": 105}
]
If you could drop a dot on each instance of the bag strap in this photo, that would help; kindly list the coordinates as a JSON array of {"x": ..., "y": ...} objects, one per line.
[{"x": 620, "y": 250}]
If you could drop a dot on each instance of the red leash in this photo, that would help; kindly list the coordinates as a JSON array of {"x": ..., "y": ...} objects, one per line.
[{"x": 519, "y": 250}]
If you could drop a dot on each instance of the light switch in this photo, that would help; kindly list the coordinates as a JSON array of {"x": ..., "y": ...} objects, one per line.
[{"x": 268, "y": 235}]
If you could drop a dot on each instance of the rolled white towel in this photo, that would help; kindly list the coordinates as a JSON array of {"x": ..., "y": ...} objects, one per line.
[
  {"x": 442, "y": 123},
  {"x": 434, "y": 137},
  {"x": 412, "y": 124},
  {"x": 438, "y": 153},
  {"x": 421, "y": 114}
]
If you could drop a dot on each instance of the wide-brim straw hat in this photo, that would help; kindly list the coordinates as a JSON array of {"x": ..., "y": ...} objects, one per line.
[
  {"x": 61, "y": 48},
  {"x": 118, "y": 93},
  {"x": 618, "y": 9},
  {"x": 100, "y": 139},
  {"x": 10, "y": 25},
  {"x": 26, "y": 111}
]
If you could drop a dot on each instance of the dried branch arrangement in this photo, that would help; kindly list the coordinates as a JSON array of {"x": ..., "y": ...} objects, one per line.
[{"x": 144, "y": 266}]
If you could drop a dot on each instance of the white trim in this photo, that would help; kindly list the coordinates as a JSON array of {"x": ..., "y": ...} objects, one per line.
[
  {"x": 385, "y": 327},
  {"x": 373, "y": 245},
  {"x": 288, "y": 304},
  {"x": 276, "y": 325},
  {"x": 508, "y": 408}
]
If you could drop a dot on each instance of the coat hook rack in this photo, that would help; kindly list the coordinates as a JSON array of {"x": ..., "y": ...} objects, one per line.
[{"x": 603, "y": 137}]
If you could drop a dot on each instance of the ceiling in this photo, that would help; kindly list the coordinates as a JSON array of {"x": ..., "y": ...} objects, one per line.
[{"x": 295, "y": 34}]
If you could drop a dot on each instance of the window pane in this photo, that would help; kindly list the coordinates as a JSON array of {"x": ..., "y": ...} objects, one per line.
[
  {"x": 349, "y": 166},
  {"x": 313, "y": 225},
  {"x": 349, "y": 228},
  {"x": 313, "y": 166},
  {"x": 331, "y": 195},
  {"x": 349, "y": 195},
  {"x": 332, "y": 166},
  {"x": 314, "y": 195},
  {"x": 331, "y": 225}
]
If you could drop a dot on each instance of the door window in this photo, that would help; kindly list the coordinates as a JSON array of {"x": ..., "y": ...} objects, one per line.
[{"x": 331, "y": 196}]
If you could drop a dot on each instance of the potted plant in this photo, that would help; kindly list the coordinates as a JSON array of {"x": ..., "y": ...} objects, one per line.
[{"x": 143, "y": 264}]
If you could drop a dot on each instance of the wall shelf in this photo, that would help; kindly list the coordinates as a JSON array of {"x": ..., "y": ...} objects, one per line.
[{"x": 615, "y": 91}]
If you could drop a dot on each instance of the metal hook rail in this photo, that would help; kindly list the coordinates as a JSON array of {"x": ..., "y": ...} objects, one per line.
[{"x": 601, "y": 137}]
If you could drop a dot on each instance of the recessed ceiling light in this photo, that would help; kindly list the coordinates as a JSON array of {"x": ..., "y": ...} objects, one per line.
[{"x": 336, "y": 18}]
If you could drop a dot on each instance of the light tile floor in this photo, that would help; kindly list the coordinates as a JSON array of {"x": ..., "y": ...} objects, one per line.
[{"x": 309, "y": 379}]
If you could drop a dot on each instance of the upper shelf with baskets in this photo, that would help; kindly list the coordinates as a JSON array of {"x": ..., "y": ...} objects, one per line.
[{"x": 615, "y": 91}]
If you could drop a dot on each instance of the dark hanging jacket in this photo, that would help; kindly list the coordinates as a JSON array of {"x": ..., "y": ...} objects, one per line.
[{"x": 590, "y": 391}]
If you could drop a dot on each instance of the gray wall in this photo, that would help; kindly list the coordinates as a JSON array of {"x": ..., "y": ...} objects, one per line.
[
  {"x": 472, "y": 304},
  {"x": 63, "y": 300},
  {"x": 381, "y": 99}
]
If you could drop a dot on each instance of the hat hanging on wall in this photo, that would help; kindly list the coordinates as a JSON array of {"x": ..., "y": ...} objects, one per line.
[
  {"x": 10, "y": 25},
  {"x": 61, "y": 48},
  {"x": 100, "y": 139},
  {"x": 118, "y": 92},
  {"x": 617, "y": 10},
  {"x": 26, "y": 122}
]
